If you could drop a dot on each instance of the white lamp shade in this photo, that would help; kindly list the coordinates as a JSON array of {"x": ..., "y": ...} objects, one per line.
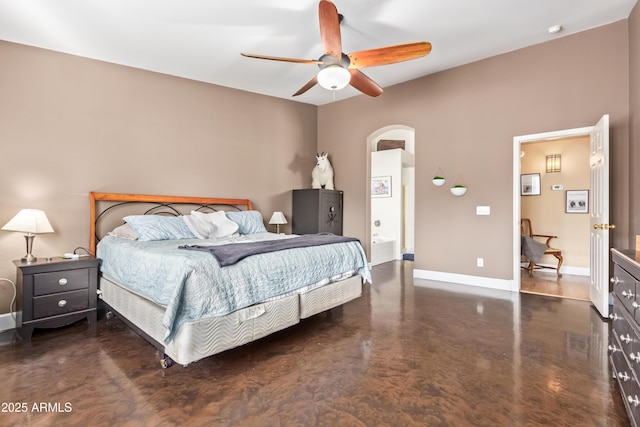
[
  {"x": 334, "y": 77},
  {"x": 32, "y": 221},
  {"x": 278, "y": 218}
]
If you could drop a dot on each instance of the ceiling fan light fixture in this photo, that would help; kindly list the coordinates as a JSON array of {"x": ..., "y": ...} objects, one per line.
[{"x": 334, "y": 77}]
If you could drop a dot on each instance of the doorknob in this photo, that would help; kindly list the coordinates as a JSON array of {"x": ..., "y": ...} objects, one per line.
[{"x": 604, "y": 226}]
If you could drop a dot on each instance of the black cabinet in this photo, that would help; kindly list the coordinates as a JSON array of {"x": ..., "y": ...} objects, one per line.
[{"x": 317, "y": 211}]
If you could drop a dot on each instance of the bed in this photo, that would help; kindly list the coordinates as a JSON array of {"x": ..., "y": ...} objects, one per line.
[{"x": 165, "y": 280}]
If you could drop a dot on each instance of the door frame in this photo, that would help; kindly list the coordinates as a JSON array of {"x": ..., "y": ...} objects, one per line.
[{"x": 517, "y": 144}]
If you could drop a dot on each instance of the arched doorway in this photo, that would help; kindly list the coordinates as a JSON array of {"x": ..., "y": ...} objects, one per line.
[{"x": 390, "y": 193}]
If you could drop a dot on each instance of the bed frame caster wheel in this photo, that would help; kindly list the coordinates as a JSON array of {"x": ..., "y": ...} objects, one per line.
[{"x": 166, "y": 362}]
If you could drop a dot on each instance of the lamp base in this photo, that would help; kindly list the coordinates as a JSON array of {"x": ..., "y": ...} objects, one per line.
[{"x": 29, "y": 258}]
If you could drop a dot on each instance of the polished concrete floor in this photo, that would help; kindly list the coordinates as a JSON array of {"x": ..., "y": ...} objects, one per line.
[{"x": 433, "y": 354}]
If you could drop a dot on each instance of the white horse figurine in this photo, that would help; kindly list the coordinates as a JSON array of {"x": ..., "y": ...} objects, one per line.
[{"x": 322, "y": 174}]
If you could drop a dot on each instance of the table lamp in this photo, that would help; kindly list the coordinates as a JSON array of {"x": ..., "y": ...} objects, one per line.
[
  {"x": 278, "y": 218},
  {"x": 32, "y": 222}
]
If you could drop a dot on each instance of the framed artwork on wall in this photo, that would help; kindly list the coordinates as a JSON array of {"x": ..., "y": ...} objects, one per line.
[
  {"x": 381, "y": 186},
  {"x": 577, "y": 201},
  {"x": 530, "y": 184}
]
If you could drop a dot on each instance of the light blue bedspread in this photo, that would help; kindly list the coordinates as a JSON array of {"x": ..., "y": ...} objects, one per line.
[{"x": 192, "y": 286}]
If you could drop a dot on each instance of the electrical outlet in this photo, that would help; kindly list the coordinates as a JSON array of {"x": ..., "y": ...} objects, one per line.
[{"x": 480, "y": 262}]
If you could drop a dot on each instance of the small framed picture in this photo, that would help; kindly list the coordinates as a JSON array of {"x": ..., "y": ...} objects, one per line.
[
  {"x": 530, "y": 184},
  {"x": 577, "y": 201},
  {"x": 381, "y": 186}
]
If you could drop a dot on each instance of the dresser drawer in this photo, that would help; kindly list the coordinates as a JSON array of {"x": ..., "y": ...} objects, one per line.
[
  {"x": 622, "y": 329},
  {"x": 627, "y": 354},
  {"x": 623, "y": 372},
  {"x": 60, "y": 303},
  {"x": 624, "y": 286},
  {"x": 628, "y": 382},
  {"x": 60, "y": 281}
]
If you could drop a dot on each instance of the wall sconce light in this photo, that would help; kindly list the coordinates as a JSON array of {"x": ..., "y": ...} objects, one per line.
[
  {"x": 278, "y": 218},
  {"x": 31, "y": 222},
  {"x": 553, "y": 163}
]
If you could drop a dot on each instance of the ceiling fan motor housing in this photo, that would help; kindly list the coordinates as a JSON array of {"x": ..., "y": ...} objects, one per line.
[{"x": 329, "y": 60}]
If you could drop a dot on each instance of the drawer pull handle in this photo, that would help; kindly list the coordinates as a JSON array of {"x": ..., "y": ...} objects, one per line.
[
  {"x": 624, "y": 376},
  {"x": 613, "y": 348},
  {"x": 62, "y": 303},
  {"x": 626, "y": 339},
  {"x": 628, "y": 294},
  {"x": 635, "y": 358},
  {"x": 614, "y": 316},
  {"x": 634, "y": 400},
  {"x": 63, "y": 282},
  {"x": 614, "y": 280},
  {"x": 635, "y": 304}
]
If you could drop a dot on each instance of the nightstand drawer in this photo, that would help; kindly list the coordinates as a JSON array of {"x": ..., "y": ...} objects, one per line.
[
  {"x": 60, "y": 303},
  {"x": 60, "y": 281}
]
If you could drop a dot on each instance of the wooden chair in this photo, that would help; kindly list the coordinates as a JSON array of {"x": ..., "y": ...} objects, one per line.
[{"x": 525, "y": 228}]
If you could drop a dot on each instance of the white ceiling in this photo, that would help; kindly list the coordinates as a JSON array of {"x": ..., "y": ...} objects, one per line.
[{"x": 202, "y": 39}]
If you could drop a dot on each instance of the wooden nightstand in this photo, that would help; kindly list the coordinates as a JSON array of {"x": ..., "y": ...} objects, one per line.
[{"x": 55, "y": 293}]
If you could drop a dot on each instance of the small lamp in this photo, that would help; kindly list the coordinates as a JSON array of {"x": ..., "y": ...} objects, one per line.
[
  {"x": 278, "y": 218},
  {"x": 32, "y": 222},
  {"x": 553, "y": 163}
]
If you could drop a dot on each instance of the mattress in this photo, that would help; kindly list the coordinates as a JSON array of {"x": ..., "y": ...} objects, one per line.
[{"x": 205, "y": 337}]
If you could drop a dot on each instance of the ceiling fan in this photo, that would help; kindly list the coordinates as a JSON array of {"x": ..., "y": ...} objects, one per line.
[{"x": 338, "y": 69}]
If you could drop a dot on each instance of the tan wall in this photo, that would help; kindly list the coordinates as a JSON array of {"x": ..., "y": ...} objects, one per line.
[
  {"x": 633, "y": 191},
  {"x": 70, "y": 125},
  {"x": 465, "y": 120},
  {"x": 548, "y": 210}
]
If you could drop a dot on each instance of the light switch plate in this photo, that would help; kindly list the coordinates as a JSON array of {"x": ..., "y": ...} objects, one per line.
[
  {"x": 557, "y": 187},
  {"x": 483, "y": 210}
]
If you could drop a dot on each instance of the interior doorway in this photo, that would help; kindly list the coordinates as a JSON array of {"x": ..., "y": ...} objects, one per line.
[
  {"x": 593, "y": 205},
  {"x": 545, "y": 206},
  {"x": 390, "y": 194}
]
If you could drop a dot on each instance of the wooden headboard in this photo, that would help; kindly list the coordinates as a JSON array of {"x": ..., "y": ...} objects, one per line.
[{"x": 102, "y": 205}]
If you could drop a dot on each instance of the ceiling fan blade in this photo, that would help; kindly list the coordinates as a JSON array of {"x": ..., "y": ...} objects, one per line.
[
  {"x": 311, "y": 83},
  {"x": 330, "y": 28},
  {"x": 388, "y": 55},
  {"x": 363, "y": 83},
  {"x": 278, "y": 58}
]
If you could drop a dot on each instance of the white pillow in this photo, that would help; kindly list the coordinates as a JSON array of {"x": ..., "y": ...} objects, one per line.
[
  {"x": 210, "y": 225},
  {"x": 124, "y": 231}
]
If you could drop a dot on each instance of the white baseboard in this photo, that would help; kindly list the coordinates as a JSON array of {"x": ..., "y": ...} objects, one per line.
[
  {"x": 483, "y": 282},
  {"x": 567, "y": 269},
  {"x": 486, "y": 282},
  {"x": 7, "y": 321}
]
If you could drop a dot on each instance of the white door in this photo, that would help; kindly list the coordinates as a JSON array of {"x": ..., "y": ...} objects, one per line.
[{"x": 599, "y": 161}]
